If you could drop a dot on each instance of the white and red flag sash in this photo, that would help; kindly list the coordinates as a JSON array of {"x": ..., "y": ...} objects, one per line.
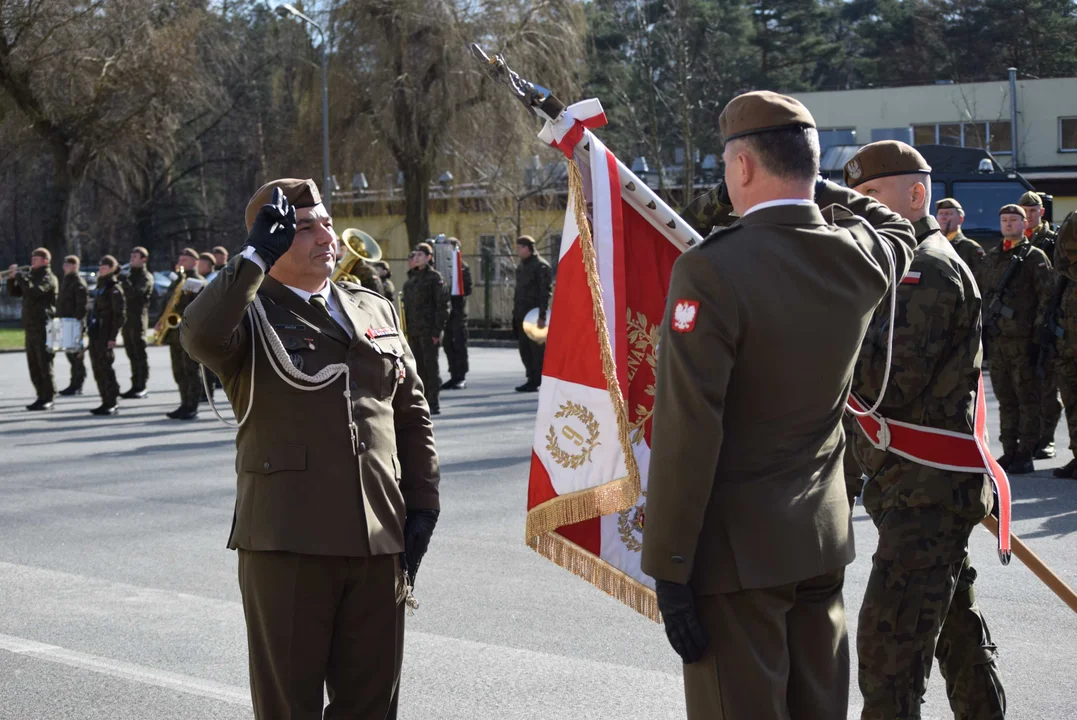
[
  {"x": 456, "y": 288},
  {"x": 588, "y": 482}
]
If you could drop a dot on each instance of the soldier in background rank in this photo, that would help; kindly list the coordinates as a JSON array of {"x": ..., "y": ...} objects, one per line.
[
  {"x": 1015, "y": 281},
  {"x": 951, "y": 216},
  {"x": 456, "y": 330},
  {"x": 38, "y": 290},
  {"x": 748, "y": 523},
  {"x": 106, "y": 323},
  {"x": 1043, "y": 236},
  {"x": 921, "y": 567},
  {"x": 220, "y": 258},
  {"x": 534, "y": 279},
  {"x": 72, "y": 303},
  {"x": 385, "y": 274},
  {"x": 1064, "y": 333},
  {"x": 426, "y": 308},
  {"x": 138, "y": 291},
  {"x": 184, "y": 368}
]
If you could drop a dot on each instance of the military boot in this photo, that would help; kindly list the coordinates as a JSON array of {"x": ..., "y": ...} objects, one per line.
[
  {"x": 1021, "y": 463},
  {"x": 1045, "y": 450},
  {"x": 1006, "y": 459},
  {"x": 1069, "y": 470},
  {"x": 70, "y": 390}
]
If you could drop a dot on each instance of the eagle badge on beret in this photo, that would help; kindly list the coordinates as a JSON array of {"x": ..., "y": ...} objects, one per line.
[{"x": 853, "y": 168}]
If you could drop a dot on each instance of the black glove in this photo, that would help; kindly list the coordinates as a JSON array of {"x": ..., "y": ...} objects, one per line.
[
  {"x": 418, "y": 527},
  {"x": 678, "y": 607},
  {"x": 273, "y": 229},
  {"x": 723, "y": 193}
]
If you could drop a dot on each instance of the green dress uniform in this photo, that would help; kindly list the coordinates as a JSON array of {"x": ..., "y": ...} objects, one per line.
[
  {"x": 534, "y": 282},
  {"x": 426, "y": 309},
  {"x": 106, "y": 323},
  {"x": 184, "y": 367},
  {"x": 38, "y": 290},
  {"x": 72, "y": 303},
  {"x": 1011, "y": 349},
  {"x": 456, "y": 331},
  {"x": 319, "y": 516},
  {"x": 921, "y": 572},
  {"x": 138, "y": 291},
  {"x": 746, "y": 499}
]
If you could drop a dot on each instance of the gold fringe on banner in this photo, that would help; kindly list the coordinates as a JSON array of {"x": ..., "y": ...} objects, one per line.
[
  {"x": 614, "y": 496},
  {"x": 599, "y": 573}
]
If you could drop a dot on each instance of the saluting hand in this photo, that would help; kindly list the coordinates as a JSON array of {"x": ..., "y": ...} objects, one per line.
[
  {"x": 678, "y": 607},
  {"x": 274, "y": 229}
]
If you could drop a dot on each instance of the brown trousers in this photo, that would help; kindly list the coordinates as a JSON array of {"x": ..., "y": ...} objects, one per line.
[
  {"x": 315, "y": 620},
  {"x": 778, "y": 653}
]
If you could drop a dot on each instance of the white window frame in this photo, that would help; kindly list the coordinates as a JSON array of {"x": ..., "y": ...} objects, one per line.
[{"x": 1060, "y": 148}]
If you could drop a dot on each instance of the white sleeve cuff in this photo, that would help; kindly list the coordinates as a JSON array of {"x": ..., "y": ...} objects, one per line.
[{"x": 251, "y": 254}]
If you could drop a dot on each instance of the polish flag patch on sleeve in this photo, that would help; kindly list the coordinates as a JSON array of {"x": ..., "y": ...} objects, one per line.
[
  {"x": 913, "y": 278},
  {"x": 684, "y": 315}
]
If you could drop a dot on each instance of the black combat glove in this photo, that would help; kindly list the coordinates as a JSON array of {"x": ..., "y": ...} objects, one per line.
[
  {"x": 723, "y": 193},
  {"x": 418, "y": 527},
  {"x": 678, "y": 607},
  {"x": 273, "y": 229}
]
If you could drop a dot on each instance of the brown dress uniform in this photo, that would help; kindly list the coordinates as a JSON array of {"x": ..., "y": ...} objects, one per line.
[
  {"x": 319, "y": 521},
  {"x": 38, "y": 290},
  {"x": 184, "y": 367},
  {"x": 106, "y": 323},
  {"x": 746, "y": 498}
]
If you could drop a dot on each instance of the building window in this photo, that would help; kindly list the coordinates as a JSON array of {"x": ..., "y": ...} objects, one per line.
[
  {"x": 829, "y": 137},
  {"x": 1067, "y": 134},
  {"x": 993, "y": 136}
]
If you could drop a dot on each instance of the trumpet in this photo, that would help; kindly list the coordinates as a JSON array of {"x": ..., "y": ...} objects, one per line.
[
  {"x": 22, "y": 270},
  {"x": 358, "y": 248}
]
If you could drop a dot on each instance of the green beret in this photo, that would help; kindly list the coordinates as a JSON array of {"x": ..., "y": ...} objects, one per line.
[
  {"x": 884, "y": 159},
  {"x": 948, "y": 204},
  {"x": 762, "y": 111},
  {"x": 300, "y": 194},
  {"x": 1031, "y": 199},
  {"x": 1012, "y": 209}
]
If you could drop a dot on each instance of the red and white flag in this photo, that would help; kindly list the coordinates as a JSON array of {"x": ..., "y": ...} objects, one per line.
[
  {"x": 456, "y": 288},
  {"x": 588, "y": 484}
]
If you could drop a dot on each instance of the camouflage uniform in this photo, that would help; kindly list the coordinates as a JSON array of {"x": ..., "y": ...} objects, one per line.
[
  {"x": 184, "y": 368},
  {"x": 138, "y": 290},
  {"x": 426, "y": 309},
  {"x": 533, "y": 282},
  {"x": 970, "y": 251},
  {"x": 1011, "y": 347},
  {"x": 1066, "y": 345},
  {"x": 919, "y": 599},
  {"x": 38, "y": 290},
  {"x": 1045, "y": 238},
  {"x": 71, "y": 303},
  {"x": 106, "y": 322},
  {"x": 456, "y": 331},
  {"x": 710, "y": 210}
]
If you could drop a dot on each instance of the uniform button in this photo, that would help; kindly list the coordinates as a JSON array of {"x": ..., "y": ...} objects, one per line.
[
  {"x": 362, "y": 447},
  {"x": 267, "y": 465},
  {"x": 677, "y": 560}
]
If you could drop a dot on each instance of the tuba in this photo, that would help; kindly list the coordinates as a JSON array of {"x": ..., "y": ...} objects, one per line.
[{"x": 358, "y": 247}]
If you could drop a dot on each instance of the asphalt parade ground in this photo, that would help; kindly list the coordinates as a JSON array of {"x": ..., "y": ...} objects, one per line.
[{"x": 118, "y": 599}]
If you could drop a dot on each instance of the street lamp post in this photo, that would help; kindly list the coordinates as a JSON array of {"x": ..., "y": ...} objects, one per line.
[{"x": 327, "y": 189}]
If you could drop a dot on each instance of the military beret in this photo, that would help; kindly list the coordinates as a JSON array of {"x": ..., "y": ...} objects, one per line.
[
  {"x": 762, "y": 111},
  {"x": 299, "y": 193},
  {"x": 188, "y": 252},
  {"x": 208, "y": 257},
  {"x": 426, "y": 248},
  {"x": 141, "y": 251},
  {"x": 219, "y": 250},
  {"x": 42, "y": 253},
  {"x": 72, "y": 260},
  {"x": 1012, "y": 209},
  {"x": 526, "y": 241},
  {"x": 1031, "y": 199},
  {"x": 884, "y": 159},
  {"x": 948, "y": 204},
  {"x": 109, "y": 261}
]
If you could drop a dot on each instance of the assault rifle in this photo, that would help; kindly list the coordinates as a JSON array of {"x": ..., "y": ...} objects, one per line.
[
  {"x": 997, "y": 308},
  {"x": 1050, "y": 330}
]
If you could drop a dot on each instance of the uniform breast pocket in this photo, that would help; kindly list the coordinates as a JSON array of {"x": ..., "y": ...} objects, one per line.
[
  {"x": 391, "y": 350},
  {"x": 301, "y": 345}
]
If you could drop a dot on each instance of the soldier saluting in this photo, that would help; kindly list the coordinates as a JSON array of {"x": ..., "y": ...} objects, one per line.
[
  {"x": 924, "y": 514},
  {"x": 748, "y": 523},
  {"x": 337, "y": 471}
]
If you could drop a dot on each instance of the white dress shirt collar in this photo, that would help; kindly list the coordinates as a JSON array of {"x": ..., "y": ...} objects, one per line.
[{"x": 777, "y": 203}]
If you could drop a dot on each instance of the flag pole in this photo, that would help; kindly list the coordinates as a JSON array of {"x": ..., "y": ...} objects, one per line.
[{"x": 1038, "y": 567}]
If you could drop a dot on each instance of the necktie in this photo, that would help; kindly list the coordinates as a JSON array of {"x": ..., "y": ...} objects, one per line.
[{"x": 319, "y": 302}]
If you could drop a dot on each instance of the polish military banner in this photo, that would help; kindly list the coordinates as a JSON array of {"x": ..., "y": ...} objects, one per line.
[{"x": 588, "y": 483}]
